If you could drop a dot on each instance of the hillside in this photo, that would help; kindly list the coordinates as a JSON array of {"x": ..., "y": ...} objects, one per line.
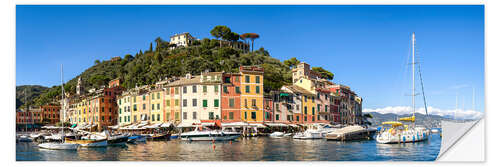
[
  {"x": 155, "y": 64},
  {"x": 32, "y": 92},
  {"x": 435, "y": 120}
]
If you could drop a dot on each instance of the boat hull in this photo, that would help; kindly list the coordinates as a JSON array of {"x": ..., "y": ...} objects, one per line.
[
  {"x": 89, "y": 142},
  {"x": 160, "y": 137},
  {"x": 210, "y": 138},
  {"x": 118, "y": 140},
  {"x": 136, "y": 138},
  {"x": 407, "y": 137},
  {"x": 59, "y": 146}
]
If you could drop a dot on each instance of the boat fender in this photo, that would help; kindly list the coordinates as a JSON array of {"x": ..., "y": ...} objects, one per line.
[
  {"x": 413, "y": 138},
  {"x": 404, "y": 138}
]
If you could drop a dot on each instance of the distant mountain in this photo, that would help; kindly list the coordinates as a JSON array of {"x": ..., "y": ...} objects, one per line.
[
  {"x": 434, "y": 120},
  {"x": 32, "y": 92}
]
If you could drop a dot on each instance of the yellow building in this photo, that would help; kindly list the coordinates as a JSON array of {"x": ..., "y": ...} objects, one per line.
[
  {"x": 252, "y": 94},
  {"x": 156, "y": 109}
]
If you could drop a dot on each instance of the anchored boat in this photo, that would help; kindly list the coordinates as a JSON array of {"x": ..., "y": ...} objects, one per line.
[
  {"x": 63, "y": 145},
  {"x": 400, "y": 133},
  {"x": 209, "y": 135}
]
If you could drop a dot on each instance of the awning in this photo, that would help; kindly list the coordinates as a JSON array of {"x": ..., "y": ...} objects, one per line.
[
  {"x": 257, "y": 125},
  {"x": 113, "y": 127},
  {"x": 234, "y": 124},
  {"x": 157, "y": 125},
  {"x": 185, "y": 125},
  {"x": 74, "y": 125},
  {"x": 208, "y": 124},
  {"x": 293, "y": 125},
  {"x": 276, "y": 124},
  {"x": 283, "y": 94}
]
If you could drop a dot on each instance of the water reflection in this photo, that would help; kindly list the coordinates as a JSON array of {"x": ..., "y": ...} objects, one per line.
[{"x": 245, "y": 149}]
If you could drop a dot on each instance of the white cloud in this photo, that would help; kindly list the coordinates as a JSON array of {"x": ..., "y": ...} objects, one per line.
[{"x": 400, "y": 110}]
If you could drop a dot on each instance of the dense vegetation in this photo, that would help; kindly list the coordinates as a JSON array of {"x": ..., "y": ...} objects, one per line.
[
  {"x": 28, "y": 92},
  {"x": 162, "y": 61}
]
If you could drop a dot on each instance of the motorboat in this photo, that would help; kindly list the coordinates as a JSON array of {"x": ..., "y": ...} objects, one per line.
[
  {"x": 24, "y": 138},
  {"x": 277, "y": 135},
  {"x": 209, "y": 135},
  {"x": 309, "y": 134}
]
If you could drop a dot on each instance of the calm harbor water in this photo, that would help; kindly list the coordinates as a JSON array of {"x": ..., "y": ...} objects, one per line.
[{"x": 244, "y": 149}]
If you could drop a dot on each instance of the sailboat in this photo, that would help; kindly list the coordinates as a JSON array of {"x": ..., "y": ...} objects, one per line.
[
  {"x": 62, "y": 145},
  {"x": 399, "y": 132}
]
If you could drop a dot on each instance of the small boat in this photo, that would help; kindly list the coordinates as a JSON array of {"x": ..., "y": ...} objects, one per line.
[
  {"x": 277, "y": 135},
  {"x": 174, "y": 136},
  {"x": 117, "y": 140},
  {"x": 24, "y": 138},
  {"x": 59, "y": 146},
  {"x": 136, "y": 138},
  {"x": 309, "y": 134},
  {"x": 288, "y": 134},
  {"x": 434, "y": 130},
  {"x": 209, "y": 135},
  {"x": 159, "y": 137},
  {"x": 88, "y": 142}
]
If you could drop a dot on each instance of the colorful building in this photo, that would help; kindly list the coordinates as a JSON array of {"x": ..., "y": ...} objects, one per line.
[
  {"x": 231, "y": 97},
  {"x": 252, "y": 96}
]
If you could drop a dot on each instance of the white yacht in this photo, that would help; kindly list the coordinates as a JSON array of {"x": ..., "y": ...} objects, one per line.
[
  {"x": 310, "y": 134},
  {"x": 277, "y": 134},
  {"x": 209, "y": 135}
]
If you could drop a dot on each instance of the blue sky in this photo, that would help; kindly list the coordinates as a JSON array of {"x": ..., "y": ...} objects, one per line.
[{"x": 366, "y": 47}]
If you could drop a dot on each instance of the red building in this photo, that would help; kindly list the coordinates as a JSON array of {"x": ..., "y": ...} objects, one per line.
[
  {"x": 50, "y": 114},
  {"x": 268, "y": 110},
  {"x": 231, "y": 97}
]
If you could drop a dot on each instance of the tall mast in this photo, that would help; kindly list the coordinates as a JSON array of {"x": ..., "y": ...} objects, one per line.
[
  {"x": 413, "y": 74},
  {"x": 62, "y": 101}
]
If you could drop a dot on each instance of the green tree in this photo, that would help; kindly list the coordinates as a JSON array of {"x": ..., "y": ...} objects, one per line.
[
  {"x": 324, "y": 73},
  {"x": 233, "y": 37},
  {"x": 251, "y": 36},
  {"x": 97, "y": 61},
  {"x": 220, "y": 32},
  {"x": 292, "y": 62},
  {"x": 159, "y": 42}
]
